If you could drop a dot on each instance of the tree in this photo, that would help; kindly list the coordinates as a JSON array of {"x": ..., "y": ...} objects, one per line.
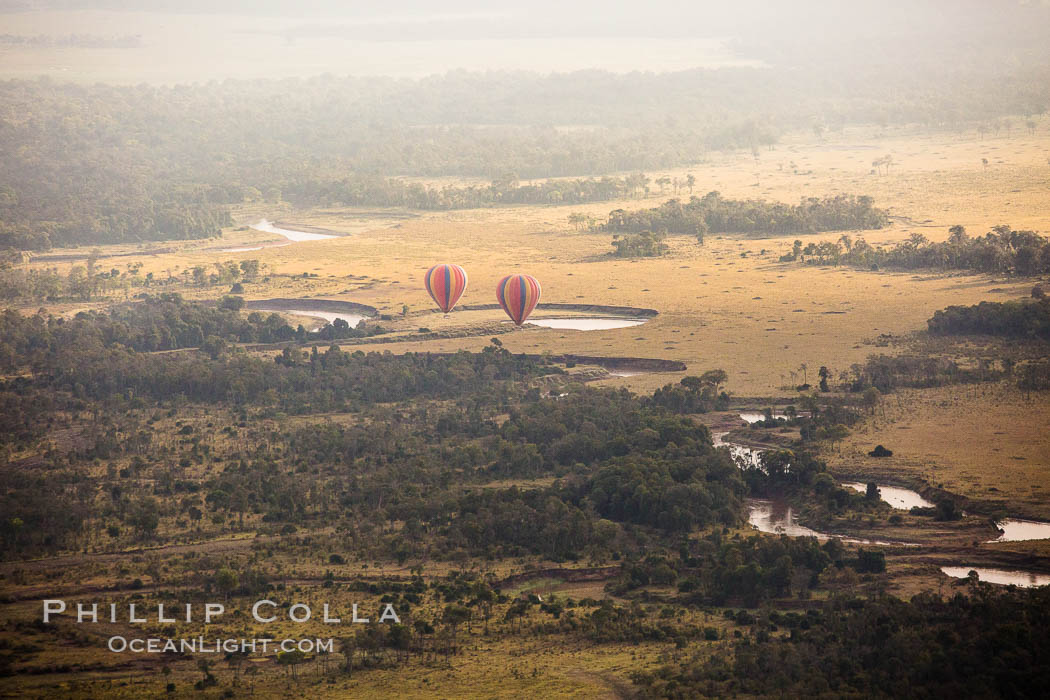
[
  {"x": 579, "y": 220},
  {"x": 346, "y": 648},
  {"x": 226, "y": 581},
  {"x": 291, "y": 660},
  {"x": 714, "y": 377},
  {"x": 947, "y": 510},
  {"x": 214, "y": 346},
  {"x": 250, "y": 268},
  {"x": 485, "y": 597},
  {"x": 870, "y": 561},
  {"x": 454, "y": 616},
  {"x": 824, "y": 374},
  {"x": 231, "y": 303},
  {"x": 780, "y": 577},
  {"x": 144, "y": 518}
]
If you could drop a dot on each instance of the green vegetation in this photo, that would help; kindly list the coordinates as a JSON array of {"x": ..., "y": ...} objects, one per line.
[
  {"x": 164, "y": 322},
  {"x": 373, "y": 190},
  {"x": 632, "y": 461},
  {"x": 1012, "y": 319},
  {"x": 88, "y": 281},
  {"x": 1000, "y": 251},
  {"x": 639, "y": 245},
  {"x": 989, "y": 644},
  {"x": 712, "y": 212}
]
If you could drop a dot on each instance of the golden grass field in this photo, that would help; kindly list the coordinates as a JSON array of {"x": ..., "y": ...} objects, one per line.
[
  {"x": 716, "y": 308},
  {"x": 752, "y": 316}
]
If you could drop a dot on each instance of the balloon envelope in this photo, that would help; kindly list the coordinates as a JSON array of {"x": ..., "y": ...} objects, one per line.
[
  {"x": 518, "y": 295},
  {"x": 446, "y": 284}
]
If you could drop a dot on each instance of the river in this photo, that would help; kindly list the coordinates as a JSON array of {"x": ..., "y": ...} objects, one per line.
[
  {"x": 327, "y": 316},
  {"x": 267, "y": 226},
  {"x": 586, "y": 324},
  {"x": 1016, "y": 530},
  {"x": 901, "y": 499},
  {"x": 1003, "y": 577}
]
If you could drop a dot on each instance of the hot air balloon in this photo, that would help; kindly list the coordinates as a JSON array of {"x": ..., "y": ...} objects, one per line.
[
  {"x": 518, "y": 295},
  {"x": 446, "y": 284}
]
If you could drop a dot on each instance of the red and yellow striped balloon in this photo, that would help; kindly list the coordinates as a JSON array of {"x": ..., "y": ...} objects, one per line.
[
  {"x": 518, "y": 295},
  {"x": 446, "y": 284}
]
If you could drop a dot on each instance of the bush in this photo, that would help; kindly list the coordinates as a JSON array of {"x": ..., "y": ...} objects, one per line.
[
  {"x": 880, "y": 451},
  {"x": 870, "y": 562},
  {"x": 947, "y": 510}
]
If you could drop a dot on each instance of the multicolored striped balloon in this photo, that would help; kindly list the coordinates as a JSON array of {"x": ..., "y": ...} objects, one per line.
[
  {"x": 518, "y": 295},
  {"x": 446, "y": 284}
]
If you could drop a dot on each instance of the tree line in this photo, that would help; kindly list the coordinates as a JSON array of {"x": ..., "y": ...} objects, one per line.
[
  {"x": 989, "y": 643},
  {"x": 361, "y": 189},
  {"x": 1000, "y": 251},
  {"x": 714, "y": 213},
  {"x": 162, "y": 322},
  {"x": 1011, "y": 319}
]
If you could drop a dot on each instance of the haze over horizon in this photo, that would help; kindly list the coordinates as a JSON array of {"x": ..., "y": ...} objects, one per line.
[{"x": 172, "y": 42}]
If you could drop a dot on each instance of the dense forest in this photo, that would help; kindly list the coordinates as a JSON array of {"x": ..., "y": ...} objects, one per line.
[
  {"x": 627, "y": 459},
  {"x": 1011, "y": 319},
  {"x": 990, "y": 644},
  {"x": 164, "y": 322},
  {"x": 373, "y": 190},
  {"x": 1000, "y": 251},
  {"x": 712, "y": 212}
]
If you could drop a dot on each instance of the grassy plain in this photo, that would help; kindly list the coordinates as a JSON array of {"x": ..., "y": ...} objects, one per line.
[{"x": 753, "y": 316}]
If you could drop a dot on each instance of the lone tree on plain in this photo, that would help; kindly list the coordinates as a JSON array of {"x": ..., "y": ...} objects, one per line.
[{"x": 870, "y": 398}]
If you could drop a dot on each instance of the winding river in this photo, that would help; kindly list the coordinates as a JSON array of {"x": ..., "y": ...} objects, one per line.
[
  {"x": 266, "y": 226},
  {"x": 745, "y": 453},
  {"x": 777, "y": 517}
]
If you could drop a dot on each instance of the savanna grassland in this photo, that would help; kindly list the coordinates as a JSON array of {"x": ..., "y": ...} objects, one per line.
[
  {"x": 755, "y": 317},
  {"x": 812, "y": 467},
  {"x": 728, "y": 303}
]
